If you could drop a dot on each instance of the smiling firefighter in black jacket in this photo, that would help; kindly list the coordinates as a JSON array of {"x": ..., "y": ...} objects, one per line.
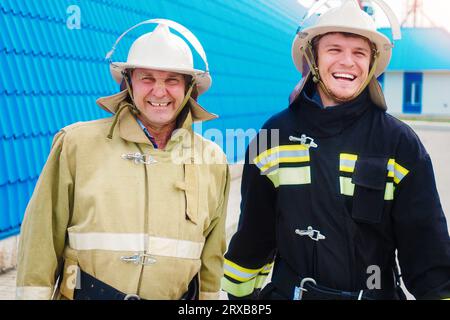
[{"x": 333, "y": 186}]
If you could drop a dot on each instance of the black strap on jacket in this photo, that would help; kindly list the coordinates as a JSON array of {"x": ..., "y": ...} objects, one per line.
[
  {"x": 93, "y": 289},
  {"x": 287, "y": 284}
]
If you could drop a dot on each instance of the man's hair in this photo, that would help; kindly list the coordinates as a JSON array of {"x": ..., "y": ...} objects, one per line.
[{"x": 316, "y": 39}]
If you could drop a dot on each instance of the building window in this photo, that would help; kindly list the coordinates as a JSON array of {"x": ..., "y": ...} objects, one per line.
[{"x": 412, "y": 94}]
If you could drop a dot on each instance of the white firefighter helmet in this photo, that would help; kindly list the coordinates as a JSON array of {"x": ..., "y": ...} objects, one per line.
[
  {"x": 165, "y": 51},
  {"x": 351, "y": 19}
]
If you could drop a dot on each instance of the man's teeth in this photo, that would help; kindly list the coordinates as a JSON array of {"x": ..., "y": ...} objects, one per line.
[
  {"x": 160, "y": 104},
  {"x": 344, "y": 75}
]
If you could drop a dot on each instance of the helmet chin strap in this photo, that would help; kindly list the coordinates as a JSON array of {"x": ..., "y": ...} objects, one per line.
[{"x": 309, "y": 57}]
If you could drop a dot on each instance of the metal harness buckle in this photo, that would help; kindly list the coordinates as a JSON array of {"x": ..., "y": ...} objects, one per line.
[
  {"x": 132, "y": 297},
  {"x": 139, "y": 158},
  {"x": 312, "y": 233},
  {"x": 304, "y": 140},
  {"x": 139, "y": 258},
  {"x": 298, "y": 293}
]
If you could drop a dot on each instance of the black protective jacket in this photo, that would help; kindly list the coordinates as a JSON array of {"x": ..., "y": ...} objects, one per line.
[{"x": 364, "y": 188}]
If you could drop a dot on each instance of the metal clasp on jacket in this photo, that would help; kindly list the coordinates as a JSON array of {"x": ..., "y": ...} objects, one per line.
[
  {"x": 298, "y": 292},
  {"x": 139, "y": 158},
  {"x": 312, "y": 233},
  {"x": 304, "y": 140},
  {"x": 139, "y": 258}
]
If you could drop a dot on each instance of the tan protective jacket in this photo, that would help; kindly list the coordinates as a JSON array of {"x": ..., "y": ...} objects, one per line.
[{"x": 100, "y": 204}]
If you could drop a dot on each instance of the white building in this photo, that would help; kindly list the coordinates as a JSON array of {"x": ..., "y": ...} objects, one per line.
[{"x": 417, "y": 81}]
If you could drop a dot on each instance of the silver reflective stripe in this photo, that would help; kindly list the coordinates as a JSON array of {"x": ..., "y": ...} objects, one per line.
[
  {"x": 398, "y": 176},
  {"x": 108, "y": 241},
  {"x": 239, "y": 274},
  {"x": 136, "y": 242},
  {"x": 347, "y": 163},
  {"x": 175, "y": 248},
  {"x": 283, "y": 154},
  {"x": 390, "y": 167},
  {"x": 267, "y": 163},
  {"x": 34, "y": 293},
  {"x": 271, "y": 169}
]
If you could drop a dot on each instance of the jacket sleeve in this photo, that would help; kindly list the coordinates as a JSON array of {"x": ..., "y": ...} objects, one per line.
[
  {"x": 212, "y": 256},
  {"x": 43, "y": 230},
  {"x": 421, "y": 232},
  {"x": 250, "y": 255}
]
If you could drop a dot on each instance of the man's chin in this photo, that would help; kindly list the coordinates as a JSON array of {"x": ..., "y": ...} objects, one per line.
[{"x": 345, "y": 96}]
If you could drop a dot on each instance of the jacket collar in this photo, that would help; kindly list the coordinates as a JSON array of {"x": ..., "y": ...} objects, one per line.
[
  {"x": 330, "y": 121},
  {"x": 130, "y": 130},
  {"x": 375, "y": 91}
]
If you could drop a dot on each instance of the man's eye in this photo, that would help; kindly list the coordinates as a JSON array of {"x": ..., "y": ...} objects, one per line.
[{"x": 173, "y": 81}]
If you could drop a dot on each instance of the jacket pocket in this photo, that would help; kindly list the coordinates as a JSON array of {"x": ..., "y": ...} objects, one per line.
[{"x": 369, "y": 179}]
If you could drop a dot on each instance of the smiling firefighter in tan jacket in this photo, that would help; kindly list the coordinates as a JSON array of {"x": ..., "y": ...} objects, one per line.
[{"x": 132, "y": 206}]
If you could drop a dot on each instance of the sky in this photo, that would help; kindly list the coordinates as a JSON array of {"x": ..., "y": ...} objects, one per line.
[{"x": 436, "y": 10}]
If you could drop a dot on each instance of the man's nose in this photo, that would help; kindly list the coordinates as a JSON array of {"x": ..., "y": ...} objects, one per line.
[
  {"x": 159, "y": 89},
  {"x": 347, "y": 59}
]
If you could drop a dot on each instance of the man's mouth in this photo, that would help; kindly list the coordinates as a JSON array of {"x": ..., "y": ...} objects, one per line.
[{"x": 344, "y": 76}]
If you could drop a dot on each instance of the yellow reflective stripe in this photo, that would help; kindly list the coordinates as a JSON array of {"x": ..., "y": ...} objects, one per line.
[
  {"x": 346, "y": 169},
  {"x": 290, "y": 176},
  {"x": 239, "y": 273},
  {"x": 399, "y": 173},
  {"x": 267, "y": 268},
  {"x": 390, "y": 168},
  {"x": 238, "y": 289},
  {"x": 276, "y": 149},
  {"x": 242, "y": 274},
  {"x": 347, "y": 162},
  {"x": 389, "y": 191},
  {"x": 396, "y": 171},
  {"x": 284, "y": 160},
  {"x": 260, "y": 280},
  {"x": 348, "y": 156},
  {"x": 347, "y": 186}
]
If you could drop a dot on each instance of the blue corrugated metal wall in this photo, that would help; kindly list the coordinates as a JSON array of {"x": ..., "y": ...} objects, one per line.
[{"x": 51, "y": 75}]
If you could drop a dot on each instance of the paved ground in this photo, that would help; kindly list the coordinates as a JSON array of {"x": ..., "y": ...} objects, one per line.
[
  {"x": 7, "y": 285},
  {"x": 435, "y": 137}
]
